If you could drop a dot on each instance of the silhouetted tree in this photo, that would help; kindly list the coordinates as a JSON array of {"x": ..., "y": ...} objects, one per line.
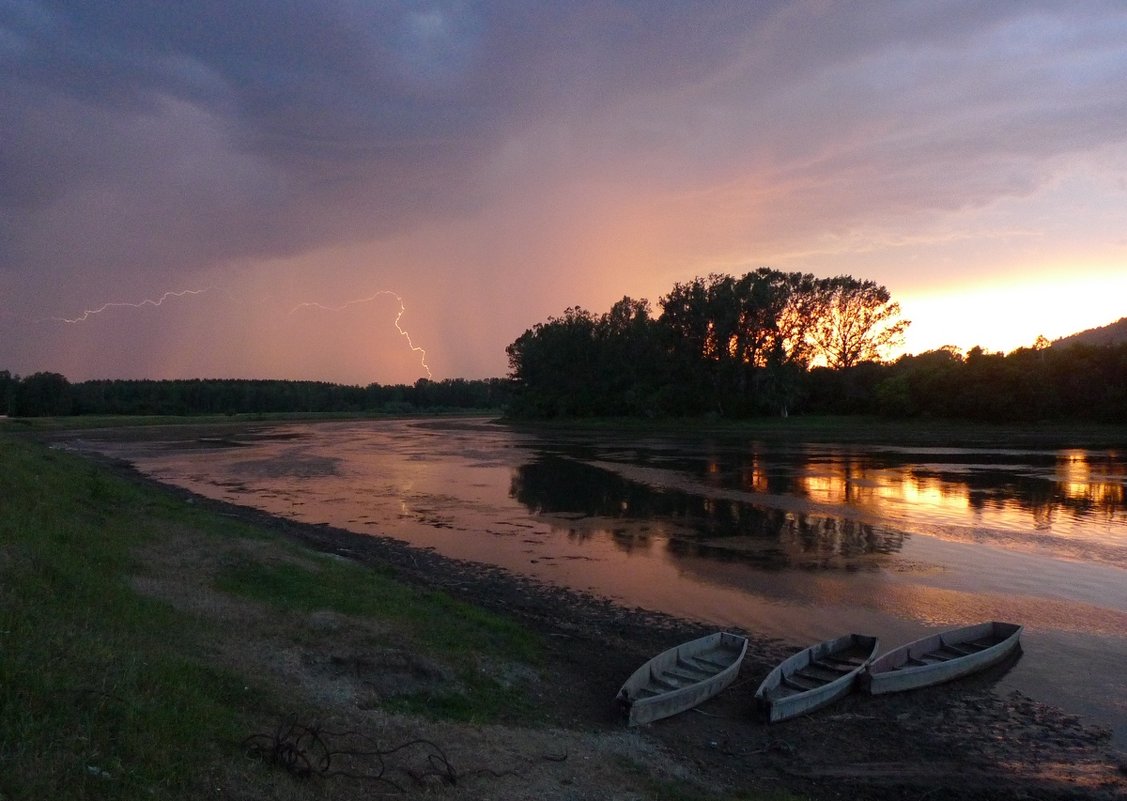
[
  {"x": 8, "y": 386},
  {"x": 631, "y": 359},
  {"x": 745, "y": 339},
  {"x": 43, "y": 395},
  {"x": 554, "y": 366},
  {"x": 855, "y": 321}
]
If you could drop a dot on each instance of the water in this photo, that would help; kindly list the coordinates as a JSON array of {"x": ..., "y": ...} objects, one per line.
[{"x": 799, "y": 541}]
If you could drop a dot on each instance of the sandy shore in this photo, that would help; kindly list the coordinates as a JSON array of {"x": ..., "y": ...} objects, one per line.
[{"x": 961, "y": 740}]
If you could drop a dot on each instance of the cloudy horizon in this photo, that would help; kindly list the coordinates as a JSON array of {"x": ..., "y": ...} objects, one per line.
[{"x": 319, "y": 190}]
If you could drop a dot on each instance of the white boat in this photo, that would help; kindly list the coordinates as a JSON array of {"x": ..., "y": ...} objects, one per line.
[
  {"x": 814, "y": 677},
  {"x": 941, "y": 657},
  {"x": 682, "y": 677}
]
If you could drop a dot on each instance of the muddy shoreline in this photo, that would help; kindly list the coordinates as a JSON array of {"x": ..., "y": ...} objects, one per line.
[{"x": 962, "y": 740}]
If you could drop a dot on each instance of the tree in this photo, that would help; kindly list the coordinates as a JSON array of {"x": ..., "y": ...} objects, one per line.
[
  {"x": 8, "y": 385},
  {"x": 553, "y": 366},
  {"x": 857, "y": 321},
  {"x": 44, "y": 395},
  {"x": 631, "y": 359},
  {"x": 922, "y": 385},
  {"x": 748, "y": 336},
  {"x": 687, "y": 333}
]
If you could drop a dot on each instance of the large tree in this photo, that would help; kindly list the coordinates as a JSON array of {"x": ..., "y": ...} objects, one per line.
[
  {"x": 747, "y": 337},
  {"x": 554, "y": 366},
  {"x": 857, "y": 321}
]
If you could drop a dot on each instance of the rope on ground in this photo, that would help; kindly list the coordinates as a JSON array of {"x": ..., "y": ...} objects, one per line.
[{"x": 306, "y": 751}]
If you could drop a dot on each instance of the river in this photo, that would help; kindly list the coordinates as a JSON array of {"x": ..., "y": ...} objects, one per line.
[{"x": 796, "y": 540}]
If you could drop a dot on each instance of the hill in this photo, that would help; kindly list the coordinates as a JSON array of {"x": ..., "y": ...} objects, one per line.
[{"x": 1112, "y": 334}]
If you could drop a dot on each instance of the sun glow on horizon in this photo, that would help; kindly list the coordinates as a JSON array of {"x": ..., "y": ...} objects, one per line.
[{"x": 1002, "y": 318}]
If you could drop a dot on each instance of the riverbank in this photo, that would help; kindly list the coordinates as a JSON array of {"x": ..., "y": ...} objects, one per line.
[
  {"x": 963, "y": 740},
  {"x": 566, "y": 739}
]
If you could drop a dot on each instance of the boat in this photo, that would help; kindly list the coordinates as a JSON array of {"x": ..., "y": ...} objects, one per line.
[
  {"x": 941, "y": 657},
  {"x": 814, "y": 677},
  {"x": 682, "y": 677}
]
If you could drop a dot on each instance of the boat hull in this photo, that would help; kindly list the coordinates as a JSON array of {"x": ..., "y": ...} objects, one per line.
[
  {"x": 941, "y": 657},
  {"x": 682, "y": 677},
  {"x": 814, "y": 677}
]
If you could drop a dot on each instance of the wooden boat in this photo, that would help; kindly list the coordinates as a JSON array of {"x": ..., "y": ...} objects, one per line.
[
  {"x": 814, "y": 677},
  {"x": 941, "y": 657},
  {"x": 682, "y": 677}
]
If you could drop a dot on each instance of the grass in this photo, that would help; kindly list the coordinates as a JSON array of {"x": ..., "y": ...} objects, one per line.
[
  {"x": 432, "y": 621},
  {"x": 423, "y": 622},
  {"x": 93, "y": 701},
  {"x": 862, "y": 430},
  {"x": 103, "y": 692}
]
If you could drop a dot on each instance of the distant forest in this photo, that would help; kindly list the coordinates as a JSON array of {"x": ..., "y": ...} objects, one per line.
[
  {"x": 766, "y": 343},
  {"x": 51, "y": 394},
  {"x": 771, "y": 343}
]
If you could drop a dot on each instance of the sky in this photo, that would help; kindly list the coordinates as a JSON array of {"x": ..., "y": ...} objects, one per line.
[{"x": 359, "y": 191}]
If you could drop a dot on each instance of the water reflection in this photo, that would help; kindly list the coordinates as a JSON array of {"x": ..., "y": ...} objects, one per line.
[
  {"x": 1056, "y": 492},
  {"x": 699, "y": 525},
  {"x": 1099, "y": 484}
]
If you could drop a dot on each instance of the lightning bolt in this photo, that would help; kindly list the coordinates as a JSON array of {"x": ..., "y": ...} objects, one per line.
[
  {"x": 88, "y": 313},
  {"x": 402, "y": 309}
]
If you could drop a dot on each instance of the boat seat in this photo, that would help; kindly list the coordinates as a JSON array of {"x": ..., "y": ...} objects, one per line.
[
  {"x": 711, "y": 664},
  {"x": 662, "y": 681},
  {"x": 850, "y": 661},
  {"x": 681, "y": 678},
  {"x": 947, "y": 652},
  {"x": 820, "y": 675},
  {"x": 796, "y": 682},
  {"x": 685, "y": 666},
  {"x": 837, "y": 668}
]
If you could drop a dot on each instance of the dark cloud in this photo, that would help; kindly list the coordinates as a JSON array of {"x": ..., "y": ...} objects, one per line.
[
  {"x": 256, "y": 128},
  {"x": 170, "y": 139}
]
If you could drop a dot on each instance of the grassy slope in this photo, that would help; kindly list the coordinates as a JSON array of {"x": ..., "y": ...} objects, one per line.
[
  {"x": 89, "y": 688},
  {"x": 102, "y": 692}
]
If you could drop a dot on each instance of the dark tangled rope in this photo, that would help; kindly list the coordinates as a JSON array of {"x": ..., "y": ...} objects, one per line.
[{"x": 304, "y": 752}]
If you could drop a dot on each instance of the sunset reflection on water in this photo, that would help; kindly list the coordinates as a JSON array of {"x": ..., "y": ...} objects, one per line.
[
  {"x": 1067, "y": 496},
  {"x": 794, "y": 540}
]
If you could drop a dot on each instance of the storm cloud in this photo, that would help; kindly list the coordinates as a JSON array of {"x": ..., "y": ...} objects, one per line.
[{"x": 540, "y": 153}]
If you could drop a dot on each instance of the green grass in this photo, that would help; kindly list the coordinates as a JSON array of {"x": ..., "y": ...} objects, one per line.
[
  {"x": 455, "y": 633},
  {"x": 433, "y": 621},
  {"x": 103, "y": 692},
  {"x": 93, "y": 703}
]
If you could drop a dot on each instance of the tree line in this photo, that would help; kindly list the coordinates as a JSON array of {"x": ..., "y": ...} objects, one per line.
[
  {"x": 765, "y": 343},
  {"x": 770, "y": 343},
  {"x": 733, "y": 346},
  {"x": 1040, "y": 383},
  {"x": 51, "y": 394}
]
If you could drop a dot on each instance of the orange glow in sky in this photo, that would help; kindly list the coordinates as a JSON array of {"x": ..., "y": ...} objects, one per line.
[
  {"x": 494, "y": 167},
  {"x": 1003, "y": 318}
]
